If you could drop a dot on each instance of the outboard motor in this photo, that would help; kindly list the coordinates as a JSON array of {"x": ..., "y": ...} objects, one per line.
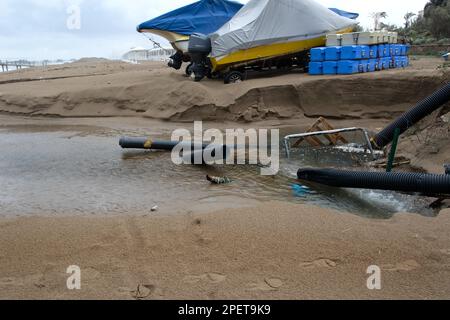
[
  {"x": 176, "y": 60},
  {"x": 199, "y": 49}
]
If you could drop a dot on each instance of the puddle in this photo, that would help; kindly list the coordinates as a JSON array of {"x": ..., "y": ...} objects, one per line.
[{"x": 67, "y": 172}]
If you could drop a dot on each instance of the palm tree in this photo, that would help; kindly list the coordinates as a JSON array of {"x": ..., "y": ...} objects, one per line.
[
  {"x": 408, "y": 16},
  {"x": 377, "y": 16}
]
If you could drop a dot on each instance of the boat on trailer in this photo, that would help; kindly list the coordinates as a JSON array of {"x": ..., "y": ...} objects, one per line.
[
  {"x": 205, "y": 16},
  {"x": 265, "y": 33}
]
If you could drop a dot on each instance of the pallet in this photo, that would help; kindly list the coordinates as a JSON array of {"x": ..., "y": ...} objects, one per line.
[{"x": 321, "y": 125}]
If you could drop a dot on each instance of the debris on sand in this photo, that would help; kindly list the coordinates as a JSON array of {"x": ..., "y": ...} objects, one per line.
[{"x": 218, "y": 180}]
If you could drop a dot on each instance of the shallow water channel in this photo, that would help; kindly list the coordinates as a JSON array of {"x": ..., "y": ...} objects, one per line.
[{"x": 68, "y": 171}]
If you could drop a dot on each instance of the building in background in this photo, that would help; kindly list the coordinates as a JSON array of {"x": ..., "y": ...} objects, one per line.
[{"x": 140, "y": 54}]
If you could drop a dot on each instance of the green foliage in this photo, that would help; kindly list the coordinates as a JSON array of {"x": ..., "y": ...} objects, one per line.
[
  {"x": 433, "y": 27},
  {"x": 390, "y": 27}
]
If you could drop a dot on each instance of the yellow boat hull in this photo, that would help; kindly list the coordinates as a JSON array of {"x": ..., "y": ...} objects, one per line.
[
  {"x": 178, "y": 41},
  {"x": 267, "y": 51}
]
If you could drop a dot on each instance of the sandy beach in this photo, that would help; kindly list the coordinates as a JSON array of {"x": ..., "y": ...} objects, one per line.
[
  {"x": 263, "y": 250},
  {"x": 275, "y": 251}
]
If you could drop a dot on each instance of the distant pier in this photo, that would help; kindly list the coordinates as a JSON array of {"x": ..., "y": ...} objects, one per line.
[{"x": 6, "y": 65}]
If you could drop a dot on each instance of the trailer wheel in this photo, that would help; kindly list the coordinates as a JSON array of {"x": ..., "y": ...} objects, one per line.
[
  {"x": 198, "y": 78},
  {"x": 189, "y": 69},
  {"x": 233, "y": 77}
]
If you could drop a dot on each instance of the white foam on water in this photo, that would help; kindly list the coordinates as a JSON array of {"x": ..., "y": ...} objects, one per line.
[{"x": 384, "y": 199}]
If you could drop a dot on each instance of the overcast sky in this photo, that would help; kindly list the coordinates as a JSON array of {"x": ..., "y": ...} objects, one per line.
[{"x": 38, "y": 29}]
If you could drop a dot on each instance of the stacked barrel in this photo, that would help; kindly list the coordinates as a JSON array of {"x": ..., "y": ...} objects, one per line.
[{"x": 353, "y": 56}]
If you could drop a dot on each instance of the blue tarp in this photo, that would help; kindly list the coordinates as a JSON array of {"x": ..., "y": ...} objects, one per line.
[
  {"x": 205, "y": 16},
  {"x": 350, "y": 15}
]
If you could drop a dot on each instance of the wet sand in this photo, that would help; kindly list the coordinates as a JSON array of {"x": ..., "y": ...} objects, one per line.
[{"x": 275, "y": 251}]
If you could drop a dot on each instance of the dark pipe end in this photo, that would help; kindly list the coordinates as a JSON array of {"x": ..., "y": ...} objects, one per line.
[
  {"x": 122, "y": 141},
  {"x": 302, "y": 174},
  {"x": 447, "y": 168}
]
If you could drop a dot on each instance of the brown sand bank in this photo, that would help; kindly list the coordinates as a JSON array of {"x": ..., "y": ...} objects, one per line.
[
  {"x": 427, "y": 143},
  {"x": 274, "y": 251},
  {"x": 107, "y": 88}
]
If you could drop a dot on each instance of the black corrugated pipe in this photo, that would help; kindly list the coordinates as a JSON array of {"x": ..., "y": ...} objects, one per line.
[
  {"x": 426, "y": 184},
  {"x": 408, "y": 119}
]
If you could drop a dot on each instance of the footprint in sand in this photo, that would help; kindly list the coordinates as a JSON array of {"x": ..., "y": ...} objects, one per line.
[
  {"x": 268, "y": 284},
  {"x": 143, "y": 291},
  {"x": 7, "y": 281},
  {"x": 91, "y": 273},
  {"x": 29, "y": 280},
  {"x": 209, "y": 277},
  {"x": 319, "y": 263},
  {"x": 407, "y": 265}
]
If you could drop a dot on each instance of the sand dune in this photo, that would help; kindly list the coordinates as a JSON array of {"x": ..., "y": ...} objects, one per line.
[{"x": 108, "y": 88}]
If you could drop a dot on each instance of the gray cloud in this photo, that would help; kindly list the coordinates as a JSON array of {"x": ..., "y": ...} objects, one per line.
[{"x": 37, "y": 29}]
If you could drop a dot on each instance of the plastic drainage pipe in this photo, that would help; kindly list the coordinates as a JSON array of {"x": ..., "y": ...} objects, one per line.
[
  {"x": 408, "y": 119},
  {"x": 146, "y": 143},
  {"x": 427, "y": 184},
  {"x": 193, "y": 156}
]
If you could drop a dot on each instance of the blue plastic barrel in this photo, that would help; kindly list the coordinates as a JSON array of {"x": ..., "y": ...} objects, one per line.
[
  {"x": 315, "y": 68},
  {"x": 373, "y": 52},
  {"x": 402, "y": 49},
  {"x": 351, "y": 53},
  {"x": 390, "y": 50},
  {"x": 317, "y": 54},
  {"x": 363, "y": 66},
  {"x": 386, "y": 63},
  {"x": 333, "y": 53},
  {"x": 330, "y": 67},
  {"x": 372, "y": 65},
  {"x": 348, "y": 67},
  {"x": 382, "y": 51},
  {"x": 365, "y": 52}
]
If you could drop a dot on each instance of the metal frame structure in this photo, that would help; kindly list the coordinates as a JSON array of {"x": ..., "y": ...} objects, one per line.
[{"x": 287, "y": 139}]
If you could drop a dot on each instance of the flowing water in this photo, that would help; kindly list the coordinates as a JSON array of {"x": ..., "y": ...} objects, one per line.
[{"x": 67, "y": 171}]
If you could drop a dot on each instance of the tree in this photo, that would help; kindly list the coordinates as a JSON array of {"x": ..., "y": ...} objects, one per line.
[
  {"x": 389, "y": 27},
  {"x": 408, "y": 17},
  {"x": 377, "y": 16},
  {"x": 431, "y": 27}
]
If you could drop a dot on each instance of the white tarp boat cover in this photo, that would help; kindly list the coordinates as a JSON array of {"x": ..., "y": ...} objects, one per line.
[{"x": 262, "y": 22}]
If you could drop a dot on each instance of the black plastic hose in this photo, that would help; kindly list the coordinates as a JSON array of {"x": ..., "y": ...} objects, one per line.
[
  {"x": 146, "y": 143},
  {"x": 427, "y": 184},
  {"x": 417, "y": 113},
  {"x": 194, "y": 154}
]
